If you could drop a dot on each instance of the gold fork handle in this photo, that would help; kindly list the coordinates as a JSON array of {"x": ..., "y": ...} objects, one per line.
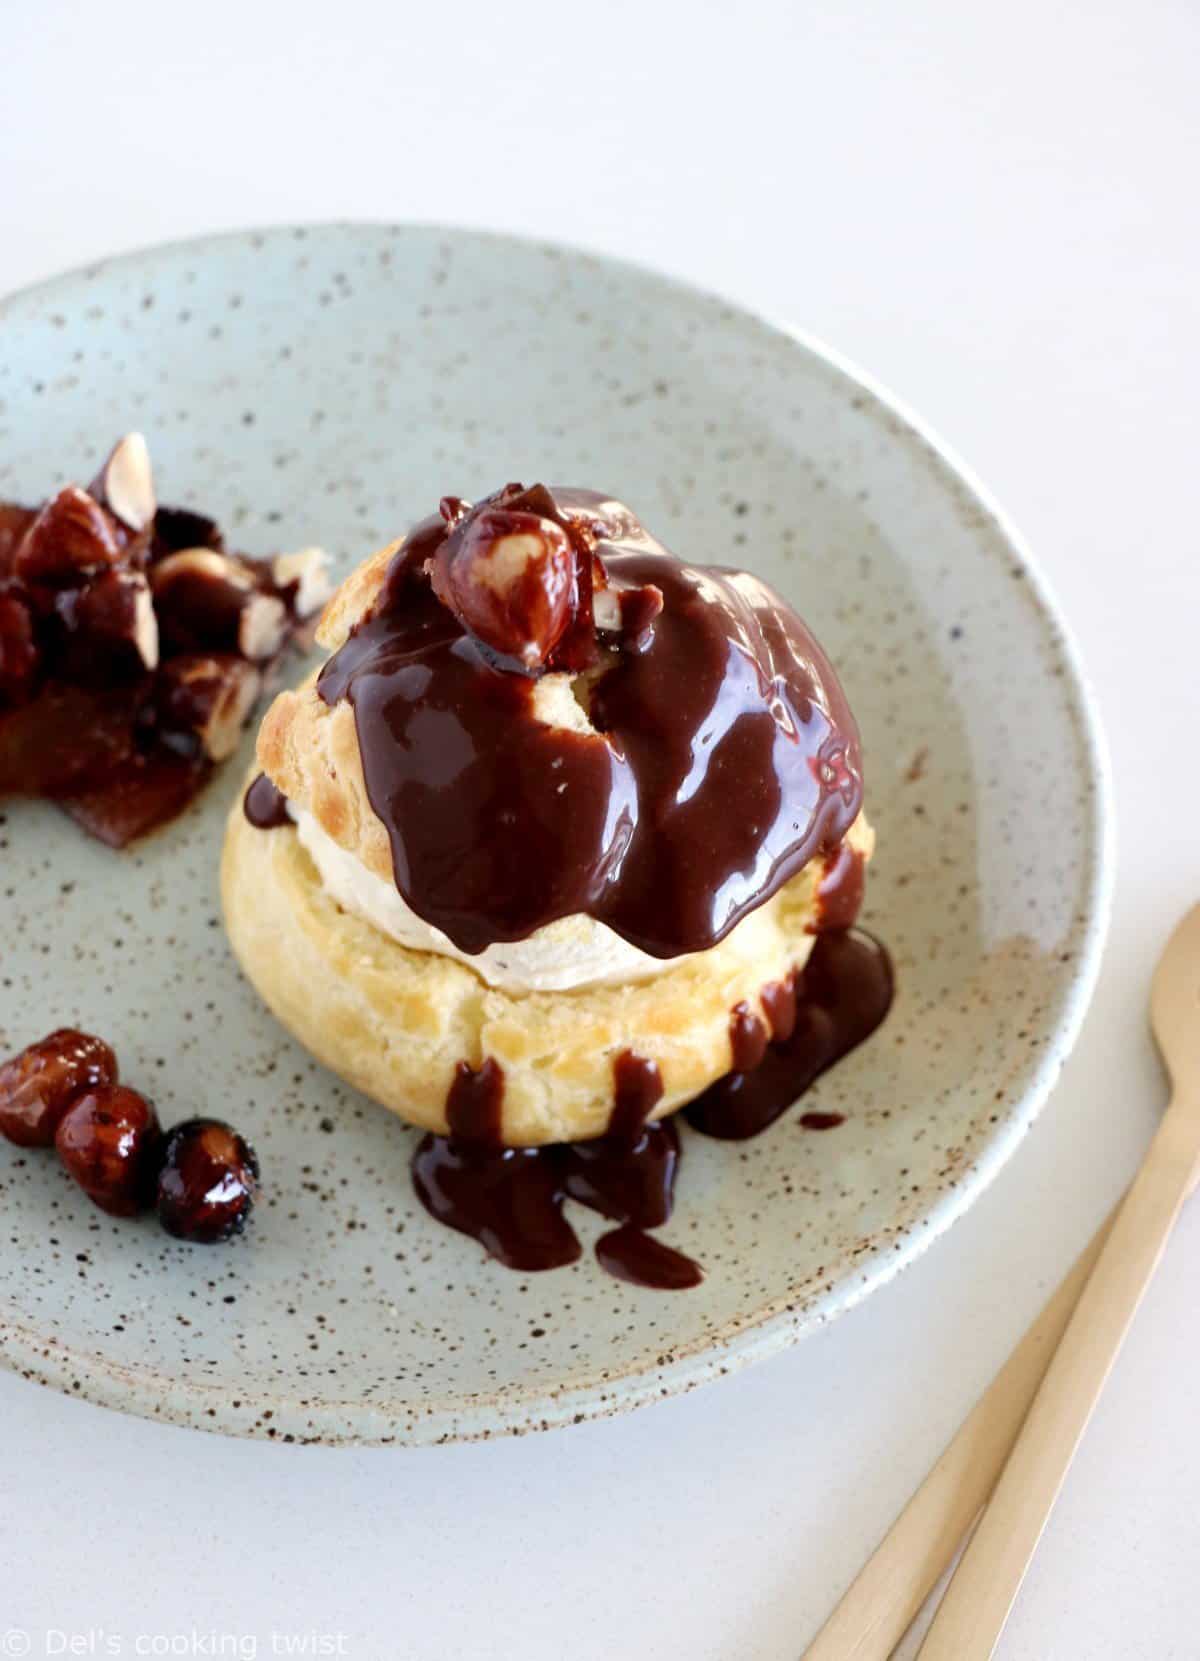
[
  {"x": 881, "y": 1604},
  {"x": 971, "y": 1616}
]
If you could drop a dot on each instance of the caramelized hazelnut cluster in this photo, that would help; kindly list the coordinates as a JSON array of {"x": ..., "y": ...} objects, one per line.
[
  {"x": 132, "y": 627},
  {"x": 525, "y": 580},
  {"x": 63, "y": 1091}
]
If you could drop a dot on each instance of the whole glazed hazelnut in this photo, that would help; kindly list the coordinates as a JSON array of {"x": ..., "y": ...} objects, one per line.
[
  {"x": 508, "y": 575},
  {"x": 39, "y": 1085},
  {"x": 208, "y": 1181},
  {"x": 108, "y": 1139}
]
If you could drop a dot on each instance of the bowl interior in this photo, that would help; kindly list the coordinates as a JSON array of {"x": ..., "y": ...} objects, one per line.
[{"x": 329, "y": 385}]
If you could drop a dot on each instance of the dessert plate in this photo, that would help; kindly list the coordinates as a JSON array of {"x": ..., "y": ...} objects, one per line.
[{"x": 329, "y": 385}]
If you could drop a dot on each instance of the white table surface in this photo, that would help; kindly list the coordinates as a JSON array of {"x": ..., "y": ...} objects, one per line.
[{"x": 993, "y": 208}]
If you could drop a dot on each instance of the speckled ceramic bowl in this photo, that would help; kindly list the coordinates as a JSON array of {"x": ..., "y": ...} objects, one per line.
[{"x": 329, "y": 385}]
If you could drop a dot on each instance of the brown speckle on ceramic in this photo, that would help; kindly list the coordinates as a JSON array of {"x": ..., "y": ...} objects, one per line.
[{"x": 329, "y": 385}]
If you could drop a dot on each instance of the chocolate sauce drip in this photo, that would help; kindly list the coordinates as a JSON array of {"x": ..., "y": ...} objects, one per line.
[
  {"x": 725, "y": 756},
  {"x": 747, "y": 1038},
  {"x": 840, "y": 891},
  {"x": 779, "y": 1006},
  {"x": 842, "y": 994},
  {"x": 511, "y": 1199},
  {"x": 265, "y": 806},
  {"x": 631, "y": 1182},
  {"x": 630, "y": 1254},
  {"x": 637, "y": 1091},
  {"x": 475, "y": 1104}
]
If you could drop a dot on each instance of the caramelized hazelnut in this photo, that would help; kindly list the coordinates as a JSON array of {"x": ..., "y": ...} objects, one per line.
[
  {"x": 110, "y": 625},
  {"x": 628, "y": 613},
  {"x": 208, "y": 1182},
  {"x": 71, "y": 539},
  {"x": 640, "y": 610},
  {"x": 208, "y": 602},
  {"x": 18, "y": 648},
  {"x": 509, "y": 577},
  {"x": 302, "y": 581},
  {"x": 39, "y": 1085},
  {"x": 125, "y": 484},
  {"x": 452, "y": 510},
  {"x": 206, "y": 698},
  {"x": 606, "y": 609},
  {"x": 108, "y": 1139},
  {"x": 176, "y": 529}
]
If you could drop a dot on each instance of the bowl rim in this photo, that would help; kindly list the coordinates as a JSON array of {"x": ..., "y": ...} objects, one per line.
[{"x": 779, "y": 1321}]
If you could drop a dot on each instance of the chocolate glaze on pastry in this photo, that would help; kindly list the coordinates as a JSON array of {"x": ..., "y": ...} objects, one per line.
[
  {"x": 717, "y": 760},
  {"x": 724, "y": 756}
]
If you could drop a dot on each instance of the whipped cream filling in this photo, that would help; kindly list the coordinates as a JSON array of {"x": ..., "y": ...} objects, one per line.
[{"x": 572, "y": 952}]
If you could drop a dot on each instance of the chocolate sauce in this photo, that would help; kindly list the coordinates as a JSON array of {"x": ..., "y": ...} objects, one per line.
[
  {"x": 630, "y": 1254},
  {"x": 839, "y": 894},
  {"x": 842, "y": 994},
  {"x": 265, "y": 806},
  {"x": 637, "y": 1090},
  {"x": 779, "y": 1006},
  {"x": 747, "y": 1038},
  {"x": 631, "y": 1182},
  {"x": 475, "y": 1103},
  {"x": 511, "y": 1199},
  {"x": 178, "y": 528},
  {"x": 724, "y": 756}
]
